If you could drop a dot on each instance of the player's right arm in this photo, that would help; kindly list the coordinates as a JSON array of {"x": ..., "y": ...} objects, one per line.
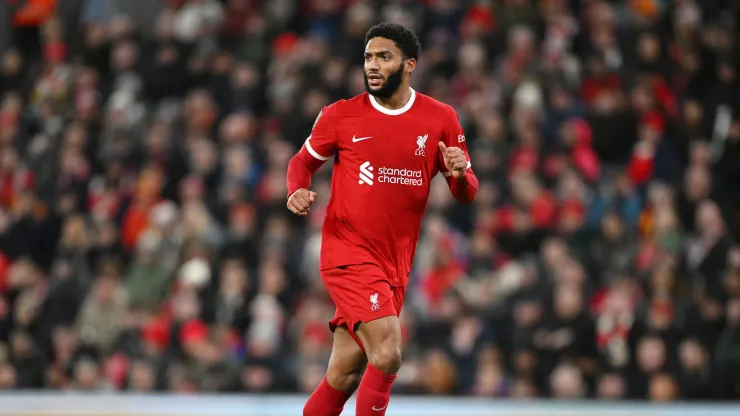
[{"x": 317, "y": 149}]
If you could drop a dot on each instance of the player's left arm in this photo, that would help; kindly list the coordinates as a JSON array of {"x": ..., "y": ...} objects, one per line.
[{"x": 454, "y": 161}]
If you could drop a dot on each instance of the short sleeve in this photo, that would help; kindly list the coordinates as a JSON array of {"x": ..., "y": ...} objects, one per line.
[
  {"x": 322, "y": 142},
  {"x": 452, "y": 136}
]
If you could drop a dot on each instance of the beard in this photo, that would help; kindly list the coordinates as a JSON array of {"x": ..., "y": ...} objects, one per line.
[{"x": 390, "y": 86}]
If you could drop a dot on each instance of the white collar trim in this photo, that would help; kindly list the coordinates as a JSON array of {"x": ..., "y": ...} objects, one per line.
[{"x": 397, "y": 111}]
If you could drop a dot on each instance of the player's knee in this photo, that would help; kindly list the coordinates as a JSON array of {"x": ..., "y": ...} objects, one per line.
[
  {"x": 344, "y": 381},
  {"x": 386, "y": 357}
]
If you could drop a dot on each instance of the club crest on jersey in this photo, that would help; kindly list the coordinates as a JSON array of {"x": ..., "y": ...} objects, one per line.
[
  {"x": 421, "y": 142},
  {"x": 374, "y": 304}
]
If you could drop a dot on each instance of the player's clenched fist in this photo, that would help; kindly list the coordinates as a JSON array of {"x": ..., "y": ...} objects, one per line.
[
  {"x": 455, "y": 160},
  {"x": 301, "y": 201}
]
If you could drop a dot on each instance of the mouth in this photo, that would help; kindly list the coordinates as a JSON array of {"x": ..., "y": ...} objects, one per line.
[{"x": 375, "y": 80}]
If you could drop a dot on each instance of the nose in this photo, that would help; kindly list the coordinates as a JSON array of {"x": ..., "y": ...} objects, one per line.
[{"x": 372, "y": 65}]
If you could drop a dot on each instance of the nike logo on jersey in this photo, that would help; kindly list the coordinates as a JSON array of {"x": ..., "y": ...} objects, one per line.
[
  {"x": 359, "y": 139},
  {"x": 375, "y": 409}
]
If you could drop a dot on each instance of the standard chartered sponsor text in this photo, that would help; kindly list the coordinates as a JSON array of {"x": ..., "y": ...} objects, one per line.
[{"x": 400, "y": 176}]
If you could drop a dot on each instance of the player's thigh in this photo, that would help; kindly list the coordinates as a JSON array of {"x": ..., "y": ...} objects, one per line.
[
  {"x": 381, "y": 336},
  {"x": 346, "y": 356}
]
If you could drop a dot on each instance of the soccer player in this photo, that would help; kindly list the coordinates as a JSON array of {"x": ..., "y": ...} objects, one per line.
[{"x": 387, "y": 145}]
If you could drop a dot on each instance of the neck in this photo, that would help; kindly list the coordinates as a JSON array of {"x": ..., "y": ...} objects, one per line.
[{"x": 399, "y": 99}]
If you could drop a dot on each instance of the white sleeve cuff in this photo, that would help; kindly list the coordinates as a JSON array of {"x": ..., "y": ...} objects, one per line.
[{"x": 313, "y": 152}]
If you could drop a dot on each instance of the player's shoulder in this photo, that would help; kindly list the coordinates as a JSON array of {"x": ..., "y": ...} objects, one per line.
[
  {"x": 349, "y": 105},
  {"x": 340, "y": 111},
  {"x": 435, "y": 108}
]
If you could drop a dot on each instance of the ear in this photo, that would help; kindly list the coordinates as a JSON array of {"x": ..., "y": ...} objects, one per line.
[{"x": 410, "y": 65}]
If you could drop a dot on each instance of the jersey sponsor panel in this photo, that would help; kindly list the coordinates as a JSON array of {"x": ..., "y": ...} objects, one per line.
[{"x": 389, "y": 175}]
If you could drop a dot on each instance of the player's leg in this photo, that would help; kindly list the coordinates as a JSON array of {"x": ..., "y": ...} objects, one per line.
[
  {"x": 382, "y": 340},
  {"x": 346, "y": 365},
  {"x": 347, "y": 362}
]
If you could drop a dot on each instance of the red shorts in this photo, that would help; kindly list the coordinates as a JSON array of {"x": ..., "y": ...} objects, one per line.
[{"x": 362, "y": 293}]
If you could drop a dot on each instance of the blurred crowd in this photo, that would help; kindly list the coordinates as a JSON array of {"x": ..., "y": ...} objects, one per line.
[{"x": 145, "y": 244}]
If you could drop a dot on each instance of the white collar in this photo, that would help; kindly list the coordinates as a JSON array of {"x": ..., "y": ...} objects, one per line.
[{"x": 397, "y": 111}]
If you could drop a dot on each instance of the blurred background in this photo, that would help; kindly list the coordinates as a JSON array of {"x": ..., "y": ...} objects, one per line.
[{"x": 144, "y": 240}]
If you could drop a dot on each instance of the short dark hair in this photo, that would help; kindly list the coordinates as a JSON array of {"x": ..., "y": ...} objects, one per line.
[{"x": 404, "y": 38}]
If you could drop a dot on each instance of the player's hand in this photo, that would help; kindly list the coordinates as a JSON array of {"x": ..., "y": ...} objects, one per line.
[
  {"x": 300, "y": 202},
  {"x": 455, "y": 160}
]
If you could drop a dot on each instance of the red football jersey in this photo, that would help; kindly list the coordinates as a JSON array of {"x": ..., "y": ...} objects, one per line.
[{"x": 384, "y": 161}]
